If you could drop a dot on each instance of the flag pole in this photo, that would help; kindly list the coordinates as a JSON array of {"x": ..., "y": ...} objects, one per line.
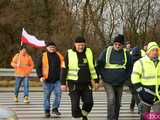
[{"x": 21, "y": 37}]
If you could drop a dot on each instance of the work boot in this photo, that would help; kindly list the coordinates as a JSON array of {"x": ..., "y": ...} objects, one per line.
[
  {"x": 84, "y": 118},
  {"x": 47, "y": 115},
  {"x": 55, "y": 111},
  {"x": 26, "y": 99},
  {"x": 15, "y": 98},
  {"x": 84, "y": 115}
]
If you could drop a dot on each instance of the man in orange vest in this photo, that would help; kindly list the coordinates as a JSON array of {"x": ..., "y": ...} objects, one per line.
[
  {"x": 23, "y": 65},
  {"x": 48, "y": 70}
]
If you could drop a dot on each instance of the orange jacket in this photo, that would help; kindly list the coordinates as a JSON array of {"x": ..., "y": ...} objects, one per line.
[
  {"x": 45, "y": 65},
  {"x": 23, "y": 64}
]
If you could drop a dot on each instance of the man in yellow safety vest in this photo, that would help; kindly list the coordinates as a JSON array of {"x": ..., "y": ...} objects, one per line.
[
  {"x": 146, "y": 79},
  {"x": 113, "y": 65},
  {"x": 81, "y": 75}
]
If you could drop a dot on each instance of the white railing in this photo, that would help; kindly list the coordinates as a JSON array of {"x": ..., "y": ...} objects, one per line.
[{"x": 10, "y": 72}]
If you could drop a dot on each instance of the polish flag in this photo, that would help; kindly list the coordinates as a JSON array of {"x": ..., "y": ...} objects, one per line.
[{"x": 32, "y": 40}]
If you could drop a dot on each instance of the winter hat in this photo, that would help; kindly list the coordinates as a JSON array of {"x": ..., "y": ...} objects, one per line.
[
  {"x": 50, "y": 43},
  {"x": 151, "y": 46},
  {"x": 79, "y": 39},
  {"x": 119, "y": 38},
  {"x": 22, "y": 46}
]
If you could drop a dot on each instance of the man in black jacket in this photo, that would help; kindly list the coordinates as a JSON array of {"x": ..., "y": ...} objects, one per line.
[
  {"x": 48, "y": 70},
  {"x": 113, "y": 66},
  {"x": 80, "y": 74}
]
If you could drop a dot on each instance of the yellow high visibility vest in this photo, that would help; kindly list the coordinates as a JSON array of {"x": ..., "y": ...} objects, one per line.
[
  {"x": 73, "y": 64},
  {"x": 145, "y": 72},
  {"x": 114, "y": 66}
]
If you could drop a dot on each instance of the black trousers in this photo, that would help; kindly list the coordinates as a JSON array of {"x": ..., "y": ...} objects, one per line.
[
  {"x": 135, "y": 98},
  {"x": 83, "y": 93}
]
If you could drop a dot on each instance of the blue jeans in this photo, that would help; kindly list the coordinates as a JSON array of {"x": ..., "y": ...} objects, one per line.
[
  {"x": 48, "y": 89},
  {"x": 25, "y": 81}
]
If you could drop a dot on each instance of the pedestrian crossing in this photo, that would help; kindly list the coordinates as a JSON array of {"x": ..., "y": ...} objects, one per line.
[{"x": 34, "y": 110}]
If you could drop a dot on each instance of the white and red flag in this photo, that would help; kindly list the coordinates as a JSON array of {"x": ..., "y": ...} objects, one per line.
[{"x": 31, "y": 40}]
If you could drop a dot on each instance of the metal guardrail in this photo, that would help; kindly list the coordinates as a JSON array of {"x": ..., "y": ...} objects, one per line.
[{"x": 11, "y": 73}]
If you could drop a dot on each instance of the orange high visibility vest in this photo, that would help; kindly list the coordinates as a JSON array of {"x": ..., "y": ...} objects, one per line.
[
  {"x": 23, "y": 64},
  {"x": 45, "y": 65}
]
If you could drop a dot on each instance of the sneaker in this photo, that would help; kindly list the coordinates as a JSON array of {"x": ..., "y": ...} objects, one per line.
[
  {"x": 26, "y": 99},
  {"x": 47, "y": 115},
  {"x": 15, "y": 99},
  {"x": 55, "y": 111},
  {"x": 84, "y": 118}
]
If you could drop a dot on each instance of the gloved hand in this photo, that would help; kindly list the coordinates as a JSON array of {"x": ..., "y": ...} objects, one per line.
[{"x": 17, "y": 65}]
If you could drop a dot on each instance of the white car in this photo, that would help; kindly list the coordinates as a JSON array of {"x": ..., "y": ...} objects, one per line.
[{"x": 7, "y": 114}]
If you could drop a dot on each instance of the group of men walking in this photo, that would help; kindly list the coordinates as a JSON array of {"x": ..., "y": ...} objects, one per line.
[{"x": 78, "y": 73}]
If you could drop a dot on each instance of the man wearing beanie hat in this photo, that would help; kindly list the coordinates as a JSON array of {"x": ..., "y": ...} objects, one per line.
[
  {"x": 23, "y": 65},
  {"x": 81, "y": 77},
  {"x": 146, "y": 79},
  {"x": 113, "y": 65},
  {"x": 119, "y": 38},
  {"x": 48, "y": 70}
]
